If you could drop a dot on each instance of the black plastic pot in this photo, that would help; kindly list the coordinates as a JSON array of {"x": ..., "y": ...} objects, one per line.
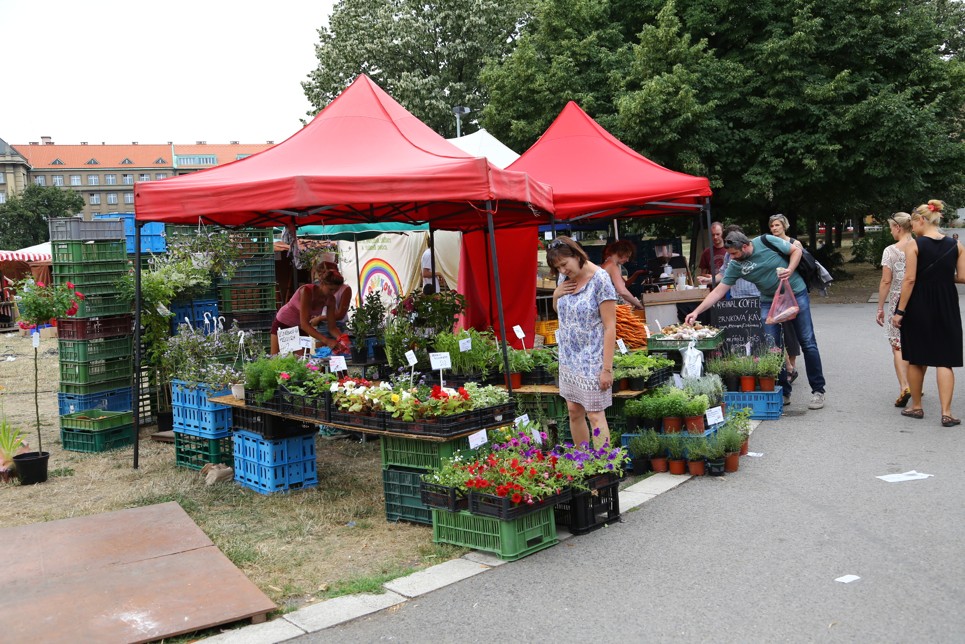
[
  {"x": 165, "y": 421},
  {"x": 32, "y": 467},
  {"x": 641, "y": 465},
  {"x": 715, "y": 467}
]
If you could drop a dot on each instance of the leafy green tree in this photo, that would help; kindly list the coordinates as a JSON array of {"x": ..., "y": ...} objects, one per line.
[
  {"x": 426, "y": 55},
  {"x": 24, "y": 217}
]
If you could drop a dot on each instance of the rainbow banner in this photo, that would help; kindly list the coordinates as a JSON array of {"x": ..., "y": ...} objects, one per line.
[{"x": 379, "y": 276}]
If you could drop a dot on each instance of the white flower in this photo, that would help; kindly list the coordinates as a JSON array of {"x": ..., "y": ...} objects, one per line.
[
  {"x": 385, "y": 385},
  {"x": 334, "y": 388}
]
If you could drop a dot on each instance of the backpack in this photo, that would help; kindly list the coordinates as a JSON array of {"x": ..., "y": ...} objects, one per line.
[{"x": 814, "y": 275}]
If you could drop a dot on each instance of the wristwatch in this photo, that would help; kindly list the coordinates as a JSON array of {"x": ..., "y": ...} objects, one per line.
[{"x": 899, "y": 311}]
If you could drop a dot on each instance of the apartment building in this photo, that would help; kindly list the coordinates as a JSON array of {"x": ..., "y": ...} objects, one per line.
[{"x": 105, "y": 174}]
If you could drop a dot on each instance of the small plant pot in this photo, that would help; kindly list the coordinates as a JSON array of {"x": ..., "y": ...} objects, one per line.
[
  {"x": 694, "y": 424},
  {"x": 621, "y": 385},
  {"x": 672, "y": 424},
  {"x": 678, "y": 466},
  {"x": 767, "y": 383},
  {"x": 650, "y": 423},
  {"x": 732, "y": 462},
  {"x": 238, "y": 391},
  {"x": 637, "y": 384},
  {"x": 514, "y": 380},
  {"x": 695, "y": 468},
  {"x": 744, "y": 447},
  {"x": 32, "y": 467},
  {"x": 659, "y": 463},
  {"x": 748, "y": 383},
  {"x": 641, "y": 465},
  {"x": 715, "y": 467},
  {"x": 732, "y": 382}
]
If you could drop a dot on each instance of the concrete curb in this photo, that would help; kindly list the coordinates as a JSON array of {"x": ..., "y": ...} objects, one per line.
[{"x": 339, "y": 610}]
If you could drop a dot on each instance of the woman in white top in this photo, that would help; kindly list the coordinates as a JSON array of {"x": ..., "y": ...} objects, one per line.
[{"x": 889, "y": 290}]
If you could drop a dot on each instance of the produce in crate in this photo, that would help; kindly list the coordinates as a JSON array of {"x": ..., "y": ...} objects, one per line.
[
  {"x": 630, "y": 328},
  {"x": 697, "y": 331}
]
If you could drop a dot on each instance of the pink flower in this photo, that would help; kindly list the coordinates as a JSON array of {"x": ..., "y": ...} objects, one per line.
[
  {"x": 79, "y": 295},
  {"x": 313, "y": 367},
  {"x": 284, "y": 376},
  {"x": 40, "y": 284}
]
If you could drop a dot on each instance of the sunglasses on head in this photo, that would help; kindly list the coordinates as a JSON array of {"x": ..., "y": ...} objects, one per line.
[{"x": 556, "y": 243}]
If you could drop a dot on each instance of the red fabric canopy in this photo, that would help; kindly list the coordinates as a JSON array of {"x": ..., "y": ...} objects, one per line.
[
  {"x": 592, "y": 172},
  {"x": 363, "y": 158}
]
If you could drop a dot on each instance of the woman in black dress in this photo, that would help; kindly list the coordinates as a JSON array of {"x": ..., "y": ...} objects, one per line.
[{"x": 928, "y": 313}]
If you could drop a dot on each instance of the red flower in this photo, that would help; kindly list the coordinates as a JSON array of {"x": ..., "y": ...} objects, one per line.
[
  {"x": 463, "y": 393},
  {"x": 70, "y": 286},
  {"x": 40, "y": 284},
  {"x": 79, "y": 295},
  {"x": 71, "y": 311},
  {"x": 517, "y": 497}
]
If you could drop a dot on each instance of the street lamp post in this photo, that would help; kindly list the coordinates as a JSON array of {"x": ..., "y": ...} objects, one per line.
[{"x": 460, "y": 111}]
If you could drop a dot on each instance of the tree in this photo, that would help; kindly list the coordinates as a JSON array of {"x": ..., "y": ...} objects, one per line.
[
  {"x": 24, "y": 218},
  {"x": 426, "y": 55}
]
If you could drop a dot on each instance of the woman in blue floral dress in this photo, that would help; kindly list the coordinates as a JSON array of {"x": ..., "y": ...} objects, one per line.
[{"x": 586, "y": 304}]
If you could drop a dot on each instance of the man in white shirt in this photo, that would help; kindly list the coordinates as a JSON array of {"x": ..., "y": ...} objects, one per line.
[{"x": 440, "y": 280}]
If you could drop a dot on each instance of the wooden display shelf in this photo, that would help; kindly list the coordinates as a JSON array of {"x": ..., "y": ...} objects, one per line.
[{"x": 664, "y": 297}]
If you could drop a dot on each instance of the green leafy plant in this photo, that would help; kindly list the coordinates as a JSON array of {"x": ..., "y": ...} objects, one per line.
[
  {"x": 674, "y": 444},
  {"x": 645, "y": 444},
  {"x": 770, "y": 363},
  {"x": 482, "y": 354},
  {"x": 696, "y": 406},
  {"x": 696, "y": 448},
  {"x": 730, "y": 438},
  {"x": 263, "y": 376},
  {"x": 709, "y": 385},
  {"x": 520, "y": 361},
  {"x": 714, "y": 448}
]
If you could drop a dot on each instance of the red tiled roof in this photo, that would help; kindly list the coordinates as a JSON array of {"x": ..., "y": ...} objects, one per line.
[{"x": 141, "y": 156}]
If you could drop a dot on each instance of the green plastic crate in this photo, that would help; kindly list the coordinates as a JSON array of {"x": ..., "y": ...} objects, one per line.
[
  {"x": 254, "y": 242},
  {"x": 87, "y": 281},
  {"x": 419, "y": 454},
  {"x": 96, "y": 419},
  {"x": 85, "y": 373},
  {"x": 78, "y": 270},
  {"x": 82, "y": 440},
  {"x": 102, "y": 304},
  {"x": 403, "y": 496},
  {"x": 102, "y": 349},
  {"x": 510, "y": 540},
  {"x": 194, "y": 452},
  {"x": 247, "y": 297},
  {"x": 81, "y": 251},
  {"x": 94, "y": 388}
]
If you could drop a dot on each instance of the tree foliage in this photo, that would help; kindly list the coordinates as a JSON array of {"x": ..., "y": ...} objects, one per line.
[
  {"x": 426, "y": 55},
  {"x": 24, "y": 218}
]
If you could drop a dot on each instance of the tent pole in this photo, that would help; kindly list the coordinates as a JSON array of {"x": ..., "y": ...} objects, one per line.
[
  {"x": 136, "y": 386},
  {"x": 432, "y": 259},
  {"x": 499, "y": 295},
  {"x": 616, "y": 230},
  {"x": 710, "y": 239},
  {"x": 358, "y": 269}
]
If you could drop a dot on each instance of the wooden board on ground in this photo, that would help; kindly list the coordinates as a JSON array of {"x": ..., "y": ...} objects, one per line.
[{"x": 128, "y": 576}]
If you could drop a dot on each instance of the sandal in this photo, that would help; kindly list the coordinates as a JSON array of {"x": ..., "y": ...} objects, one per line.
[
  {"x": 948, "y": 421},
  {"x": 792, "y": 376},
  {"x": 913, "y": 413},
  {"x": 903, "y": 399}
]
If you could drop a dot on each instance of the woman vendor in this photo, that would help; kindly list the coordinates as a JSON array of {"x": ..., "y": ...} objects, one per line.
[{"x": 308, "y": 302}]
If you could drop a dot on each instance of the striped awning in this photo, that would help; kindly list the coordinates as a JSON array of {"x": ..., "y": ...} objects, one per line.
[{"x": 38, "y": 253}]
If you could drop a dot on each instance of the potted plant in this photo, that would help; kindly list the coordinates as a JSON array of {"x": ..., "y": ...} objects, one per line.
[
  {"x": 769, "y": 365},
  {"x": 358, "y": 328},
  {"x": 643, "y": 447},
  {"x": 672, "y": 404},
  {"x": 696, "y": 452},
  {"x": 740, "y": 420},
  {"x": 709, "y": 385},
  {"x": 675, "y": 446},
  {"x": 694, "y": 410},
  {"x": 746, "y": 368},
  {"x": 520, "y": 361},
  {"x": 543, "y": 372},
  {"x": 732, "y": 440},
  {"x": 39, "y": 303},
  {"x": 374, "y": 310},
  {"x": 11, "y": 444},
  {"x": 726, "y": 369},
  {"x": 714, "y": 453}
]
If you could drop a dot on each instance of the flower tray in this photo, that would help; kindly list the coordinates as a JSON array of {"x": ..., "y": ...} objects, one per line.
[
  {"x": 420, "y": 454},
  {"x": 309, "y": 406},
  {"x": 539, "y": 376},
  {"x": 764, "y": 405},
  {"x": 273, "y": 404},
  {"x": 591, "y": 509},
  {"x": 403, "y": 499},
  {"x": 503, "y": 507},
  {"x": 659, "y": 342},
  {"x": 112, "y": 400},
  {"x": 83, "y": 440},
  {"x": 100, "y": 349},
  {"x": 376, "y": 421},
  {"x": 509, "y": 540},
  {"x": 96, "y": 420},
  {"x": 267, "y": 425},
  {"x": 456, "y": 424},
  {"x": 193, "y": 452},
  {"x": 94, "y": 328},
  {"x": 443, "y": 497}
]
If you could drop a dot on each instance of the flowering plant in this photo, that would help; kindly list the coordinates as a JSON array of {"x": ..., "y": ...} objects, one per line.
[
  {"x": 770, "y": 362},
  {"x": 39, "y": 303}
]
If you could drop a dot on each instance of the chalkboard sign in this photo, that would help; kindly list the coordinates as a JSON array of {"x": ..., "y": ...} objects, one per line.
[{"x": 740, "y": 317}]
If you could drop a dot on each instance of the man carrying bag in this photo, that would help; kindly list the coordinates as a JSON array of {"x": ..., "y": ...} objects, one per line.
[{"x": 755, "y": 262}]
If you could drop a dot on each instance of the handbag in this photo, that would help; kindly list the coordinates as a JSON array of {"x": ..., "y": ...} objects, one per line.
[{"x": 784, "y": 306}]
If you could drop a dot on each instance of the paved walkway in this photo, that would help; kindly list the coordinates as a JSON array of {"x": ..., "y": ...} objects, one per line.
[{"x": 750, "y": 557}]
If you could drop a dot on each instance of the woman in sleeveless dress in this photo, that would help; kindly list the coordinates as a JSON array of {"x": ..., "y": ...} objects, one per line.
[
  {"x": 586, "y": 338},
  {"x": 307, "y": 302},
  {"x": 928, "y": 313},
  {"x": 778, "y": 225},
  {"x": 889, "y": 290}
]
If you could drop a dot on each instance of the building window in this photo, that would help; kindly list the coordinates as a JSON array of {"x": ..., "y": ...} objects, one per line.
[
  {"x": 3, "y": 178},
  {"x": 160, "y": 161},
  {"x": 127, "y": 179},
  {"x": 75, "y": 179},
  {"x": 128, "y": 197},
  {"x": 160, "y": 175},
  {"x": 110, "y": 179},
  {"x": 92, "y": 162},
  {"x": 95, "y": 199},
  {"x": 3, "y": 197},
  {"x": 40, "y": 181},
  {"x": 197, "y": 159},
  {"x": 56, "y": 162},
  {"x": 93, "y": 180},
  {"x": 112, "y": 198},
  {"x": 145, "y": 177},
  {"x": 58, "y": 179},
  {"x": 127, "y": 162}
]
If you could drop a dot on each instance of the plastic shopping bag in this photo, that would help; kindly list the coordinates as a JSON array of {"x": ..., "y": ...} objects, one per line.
[
  {"x": 693, "y": 360},
  {"x": 784, "y": 307}
]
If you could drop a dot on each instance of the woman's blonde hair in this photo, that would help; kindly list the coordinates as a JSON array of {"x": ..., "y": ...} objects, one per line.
[
  {"x": 782, "y": 219},
  {"x": 930, "y": 212},
  {"x": 902, "y": 220}
]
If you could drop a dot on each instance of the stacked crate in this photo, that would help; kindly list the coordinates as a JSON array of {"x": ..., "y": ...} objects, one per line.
[
  {"x": 96, "y": 364},
  {"x": 273, "y": 453},
  {"x": 404, "y": 461},
  {"x": 202, "y": 429},
  {"x": 249, "y": 298}
]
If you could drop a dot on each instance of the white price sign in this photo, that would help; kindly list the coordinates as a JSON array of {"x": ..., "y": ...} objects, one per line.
[
  {"x": 288, "y": 340},
  {"x": 536, "y": 437},
  {"x": 518, "y": 330},
  {"x": 410, "y": 358},
  {"x": 478, "y": 439},
  {"x": 35, "y": 338},
  {"x": 465, "y": 345},
  {"x": 337, "y": 363},
  {"x": 621, "y": 345},
  {"x": 440, "y": 360},
  {"x": 521, "y": 419},
  {"x": 715, "y": 415},
  {"x": 306, "y": 342}
]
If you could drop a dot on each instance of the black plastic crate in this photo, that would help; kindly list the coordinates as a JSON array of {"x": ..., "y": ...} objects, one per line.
[
  {"x": 588, "y": 510},
  {"x": 267, "y": 425},
  {"x": 376, "y": 421},
  {"x": 443, "y": 497},
  {"x": 502, "y": 507},
  {"x": 309, "y": 406}
]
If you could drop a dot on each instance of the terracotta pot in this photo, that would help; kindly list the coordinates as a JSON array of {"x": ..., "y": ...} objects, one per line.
[
  {"x": 695, "y": 468},
  {"x": 767, "y": 383},
  {"x": 621, "y": 385},
  {"x": 694, "y": 424},
  {"x": 732, "y": 461},
  {"x": 743, "y": 451},
  {"x": 658, "y": 463},
  {"x": 678, "y": 466},
  {"x": 672, "y": 424},
  {"x": 748, "y": 383},
  {"x": 514, "y": 379}
]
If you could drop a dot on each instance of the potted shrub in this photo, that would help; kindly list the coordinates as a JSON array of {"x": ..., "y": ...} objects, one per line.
[
  {"x": 520, "y": 361},
  {"x": 11, "y": 444},
  {"x": 694, "y": 410},
  {"x": 740, "y": 420},
  {"x": 769, "y": 365},
  {"x": 696, "y": 452},
  {"x": 726, "y": 369},
  {"x": 644, "y": 447},
  {"x": 709, "y": 385},
  {"x": 673, "y": 403},
  {"x": 358, "y": 327},
  {"x": 746, "y": 367},
  {"x": 643, "y": 412},
  {"x": 658, "y": 460},
  {"x": 732, "y": 440},
  {"x": 714, "y": 453},
  {"x": 374, "y": 310},
  {"x": 675, "y": 445}
]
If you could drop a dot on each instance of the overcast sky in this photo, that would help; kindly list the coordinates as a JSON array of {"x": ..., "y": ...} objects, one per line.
[{"x": 117, "y": 71}]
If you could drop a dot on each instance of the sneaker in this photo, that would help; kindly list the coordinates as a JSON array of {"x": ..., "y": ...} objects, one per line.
[
  {"x": 817, "y": 400},
  {"x": 787, "y": 400},
  {"x": 327, "y": 433}
]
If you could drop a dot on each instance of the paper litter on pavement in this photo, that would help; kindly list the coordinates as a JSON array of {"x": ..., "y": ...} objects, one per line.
[
  {"x": 755, "y": 454},
  {"x": 847, "y": 579},
  {"x": 907, "y": 476}
]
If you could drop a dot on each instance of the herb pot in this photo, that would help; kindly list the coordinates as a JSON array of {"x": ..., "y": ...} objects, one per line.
[
  {"x": 695, "y": 468},
  {"x": 767, "y": 383},
  {"x": 621, "y": 385},
  {"x": 748, "y": 383},
  {"x": 694, "y": 424},
  {"x": 514, "y": 380},
  {"x": 732, "y": 461},
  {"x": 678, "y": 466},
  {"x": 744, "y": 446},
  {"x": 641, "y": 465},
  {"x": 715, "y": 467},
  {"x": 637, "y": 384},
  {"x": 672, "y": 424},
  {"x": 658, "y": 463},
  {"x": 31, "y": 467},
  {"x": 732, "y": 382}
]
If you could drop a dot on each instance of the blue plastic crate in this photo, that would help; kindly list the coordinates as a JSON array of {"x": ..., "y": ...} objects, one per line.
[
  {"x": 195, "y": 311},
  {"x": 202, "y": 423},
  {"x": 152, "y": 233},
  {"x": 111, "y": 400},
  {"x": 280, "y": 477},
  {"x": 184, "y": 396},
  {"x": 764, "y": 405},
  {"x": 252, "y": 447}
]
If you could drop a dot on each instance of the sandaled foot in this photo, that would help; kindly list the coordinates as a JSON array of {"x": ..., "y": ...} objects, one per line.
[
  {"x": 913, "y": 413},
  {"x": 903, "y": 399},
  {"x": 792, "y": 375},
  {"x": 948, "y": 421}
]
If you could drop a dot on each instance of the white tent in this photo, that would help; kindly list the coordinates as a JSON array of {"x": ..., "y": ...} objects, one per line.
[
  {"x": 38, "y": 253},
  {"x": 484, "y": 144}
]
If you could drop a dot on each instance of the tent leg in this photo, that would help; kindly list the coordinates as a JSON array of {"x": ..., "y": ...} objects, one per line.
[
  {"x": 136, "y": 384},
  {"x": 499, "y": 295},
  {"x": 358, "y": 273}
]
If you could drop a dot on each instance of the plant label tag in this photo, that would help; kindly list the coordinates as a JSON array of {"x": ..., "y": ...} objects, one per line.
[
  {"x": 548, "y": 235},
  {"x": 337, "y": 363},
  {"x": 747, "y": 347},
  {"x": 478, "y": 439},
  {"x": 306, "y": 342},
  {"x": 440, "y": 360},
  {"x": 288, "y": 340},
  {"x": 715, "y": 415},
  {"x": 622, "y": 345},
  {"x": 519, "y": 420},
  {"x": 518, "y": 330},
  {"x": 678, "y": 381},
  {"x": 35, "y": 338},
  {"x": 410, "y": 358},
  {"x": 536, "y": 437},
  {"x": 465, "y": 345}
]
